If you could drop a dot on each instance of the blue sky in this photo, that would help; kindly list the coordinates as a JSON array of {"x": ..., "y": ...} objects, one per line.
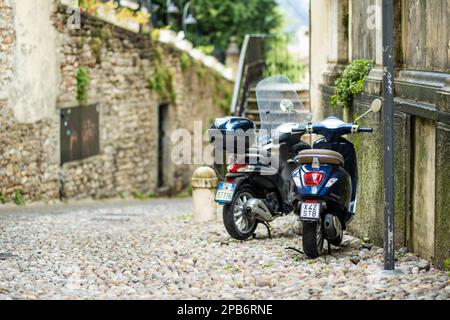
[{"x": 297, "y": 11}]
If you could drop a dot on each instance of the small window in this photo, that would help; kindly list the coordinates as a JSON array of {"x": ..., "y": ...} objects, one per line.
[{"x": 79, "y": 133}]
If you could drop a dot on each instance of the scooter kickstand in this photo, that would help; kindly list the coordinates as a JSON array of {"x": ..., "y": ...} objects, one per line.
[
  {"x": 268, "y": 229},
  {"x": 329, "y": 247}
]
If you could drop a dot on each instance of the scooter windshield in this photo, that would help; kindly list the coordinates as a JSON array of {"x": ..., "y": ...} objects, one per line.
[{"x": 279, "y": 104}]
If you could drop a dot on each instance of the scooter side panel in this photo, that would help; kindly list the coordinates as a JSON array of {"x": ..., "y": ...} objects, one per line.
[{"x": 347, "y": 150}]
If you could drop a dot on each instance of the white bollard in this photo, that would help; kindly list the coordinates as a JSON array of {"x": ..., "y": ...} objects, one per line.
[{"x": 204, "y": 186}]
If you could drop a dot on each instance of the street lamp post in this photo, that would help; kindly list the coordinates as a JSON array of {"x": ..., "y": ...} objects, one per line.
[
  {"x": 188, "y": 19},
  {"x": 388, "y": 119},
  {"x": 172, "y": 9}
]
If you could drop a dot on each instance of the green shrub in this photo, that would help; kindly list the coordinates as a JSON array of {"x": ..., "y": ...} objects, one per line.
[
  {"x": 447, "y": 266},
  {"x": 3, "y": 199},
  {"x": 161, "y": 80},
  {"x": 17, "y": 198},
  {"x": 351, "y": 83},
  {"x": 186, "y": 62},
  {"x": 82, "y": 78}
]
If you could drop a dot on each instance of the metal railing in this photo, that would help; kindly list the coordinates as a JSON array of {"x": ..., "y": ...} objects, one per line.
[{"x": 263, "y": 56}]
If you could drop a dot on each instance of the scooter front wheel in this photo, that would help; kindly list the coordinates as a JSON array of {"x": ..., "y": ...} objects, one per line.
[
  {"x": 313, "y": 238},
  {"x": 238, "y": 224}
]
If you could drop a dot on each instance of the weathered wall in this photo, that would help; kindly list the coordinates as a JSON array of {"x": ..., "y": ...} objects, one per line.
[
  {"x": 119, "y": 63},
  {"x": 7, "y": 44},
  {"x": 34, "y": 89},
  {"x": 319, "y": 28},
  {"x": 363, "y": 39},
  {"x": 442, "y": 238},
  {"x": 423, "y": 188},
  {"x": 28, "y": 157},
  {"x": 426, "y": 34},
  {"x": 422, "y": 119}
]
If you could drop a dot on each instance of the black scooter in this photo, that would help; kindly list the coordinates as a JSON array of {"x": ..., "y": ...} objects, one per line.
[{"x": 257, "y": 185}]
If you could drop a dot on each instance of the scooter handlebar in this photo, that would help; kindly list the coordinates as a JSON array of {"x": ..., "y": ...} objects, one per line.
[
  {"x": 299, "y": 130},
  {"x": 369, "y": 130}
]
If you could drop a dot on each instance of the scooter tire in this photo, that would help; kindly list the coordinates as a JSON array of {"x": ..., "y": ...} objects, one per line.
[
  {"x": 230, "y": 223},
  {"x": 311, "y": 245}
]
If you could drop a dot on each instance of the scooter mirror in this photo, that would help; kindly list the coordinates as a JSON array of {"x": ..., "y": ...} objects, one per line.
[{"x": 376, "y": 106}]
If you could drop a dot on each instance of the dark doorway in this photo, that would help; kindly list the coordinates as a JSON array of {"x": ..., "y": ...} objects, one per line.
[{"x": 163, "y": 145}]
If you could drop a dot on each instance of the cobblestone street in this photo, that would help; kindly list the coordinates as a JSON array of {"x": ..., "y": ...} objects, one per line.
[{"x": 151, "y": 250}]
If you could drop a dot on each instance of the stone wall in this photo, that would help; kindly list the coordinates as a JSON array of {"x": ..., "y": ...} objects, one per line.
[
  {"x": 421, "y": 125},
  {"x": 7, "y": 43},
  {"x": 120, "y": 63},
  {"x": 27, "y": 161}
]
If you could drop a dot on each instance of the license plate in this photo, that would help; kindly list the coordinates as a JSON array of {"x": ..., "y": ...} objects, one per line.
[
  {"x": 310, "y": 211},
  {"x": 225, "y": 192}
]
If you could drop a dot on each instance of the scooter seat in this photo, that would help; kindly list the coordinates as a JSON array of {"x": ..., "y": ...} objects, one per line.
[{"x": 324, "y": 157}]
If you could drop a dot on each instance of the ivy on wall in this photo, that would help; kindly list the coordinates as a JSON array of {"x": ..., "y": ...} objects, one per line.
[
  {"x": 161, "y": 80},
  {"x": 351, "y": 83},
  {"x": 186, "y": 62},
  {"x": 82, "y": 78}
]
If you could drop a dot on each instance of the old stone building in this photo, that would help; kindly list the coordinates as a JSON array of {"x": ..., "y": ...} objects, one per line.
[
  {"x": 345, "y": 30},
  {"x": 89, "y": 112}
]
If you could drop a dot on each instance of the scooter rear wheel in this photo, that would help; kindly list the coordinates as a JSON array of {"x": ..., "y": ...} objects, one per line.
[
  {"x": 313, "y": 238},
  {"x": 239, "y": 225}
]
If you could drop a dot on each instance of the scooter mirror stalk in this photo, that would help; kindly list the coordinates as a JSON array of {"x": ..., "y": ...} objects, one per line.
[{"x": 375, "y": 107}]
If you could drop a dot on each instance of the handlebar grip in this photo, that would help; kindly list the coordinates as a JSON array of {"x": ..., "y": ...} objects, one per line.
[
  {"x": 369, "y": 130},
  {"x": 300, "y": 130}
]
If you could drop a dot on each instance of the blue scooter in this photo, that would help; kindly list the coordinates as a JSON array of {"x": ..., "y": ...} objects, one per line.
[{"x": 324, "y": 188}]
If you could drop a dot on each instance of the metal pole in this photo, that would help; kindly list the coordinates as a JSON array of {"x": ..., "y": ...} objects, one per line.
[
  {"x": 183, "y": 19},
  {"x": 388, "y": 119}
]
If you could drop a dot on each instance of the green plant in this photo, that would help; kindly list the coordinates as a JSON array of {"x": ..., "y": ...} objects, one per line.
[
  {"x": 219, "y": 20},
  {"x": 351, "y": 83},
  {"x": 96, "y": 47},
  {"x": 282, "y": 62},
  {"x": 225, "y": 103},
  {"x": 206, "y": 49},
  {"x": 186, "y": 62},
  {"x": 365, "y": 240},
  {"x": 17, "y": 198},
  {"x": 161, "y": 80},
  {"x": 143, "y": 196},
  {"x": 155, "y": 33},
  {"x": 3, "y": 199},
  {"x": 201, "y": 71},
  {"x": 447, "y": 266},
  {"x": 230, "y": 268},
  {"x": 82, "y": 78}
]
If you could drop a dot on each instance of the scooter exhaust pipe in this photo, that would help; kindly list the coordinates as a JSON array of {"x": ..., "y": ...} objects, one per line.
[
  {"x": 259, "y": 209},
  {"x": 332, "y": 226}
]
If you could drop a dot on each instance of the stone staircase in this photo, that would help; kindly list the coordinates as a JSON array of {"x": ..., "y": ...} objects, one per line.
[{"x": 252, "y": 112}]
